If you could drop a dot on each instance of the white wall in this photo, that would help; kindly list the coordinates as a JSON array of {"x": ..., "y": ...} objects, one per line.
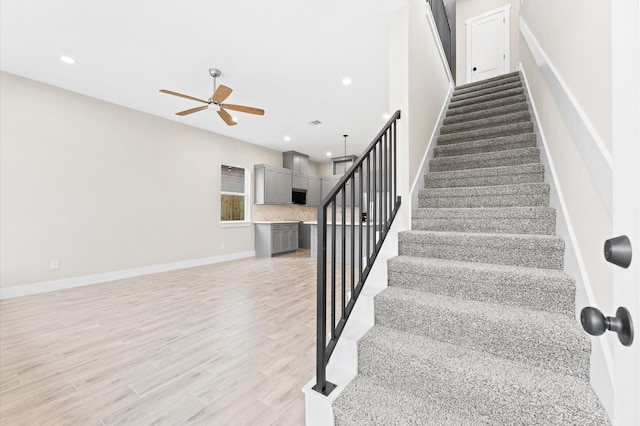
[
  {"x": 104, "y": 188},
  {"x": 468, "y": 9},
  {"x": 565, "y": 54},
  {"x": 419, "y": 88}
]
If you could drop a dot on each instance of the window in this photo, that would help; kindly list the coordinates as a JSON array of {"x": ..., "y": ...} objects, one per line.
[{"x": 233, "y": 194}]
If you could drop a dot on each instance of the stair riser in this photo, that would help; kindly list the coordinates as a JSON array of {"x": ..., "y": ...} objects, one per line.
[
  {"x": 486, "y": 133},
  {"x": 514, "y": 118},
  {"x": 484, "y": 106},
  {"x": 538, "y": 257},
  {"x": 486, "y": 91},
  {"x": 566, "y": 353},
  {"x": 486, "y": 201},
  {"x": 484, "y": 181},
  {"x": 486, "y": 98},
  {"x": 436, "y": 166},
  {"x": 516, "y": 290},
  {"x": 454, "y": 150},
  {"x": 487, "y": 226},
  {"x": 486, "y": 113},
  {"x": 489, "y": 82}
]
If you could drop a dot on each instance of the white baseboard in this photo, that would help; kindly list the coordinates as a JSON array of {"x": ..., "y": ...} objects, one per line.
[
  {"x": 601, "y": 359},
  {"x": 47, "y": 286}
]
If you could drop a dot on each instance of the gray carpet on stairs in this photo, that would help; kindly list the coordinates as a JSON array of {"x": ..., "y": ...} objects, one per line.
[{"x": 477, "y": 326}]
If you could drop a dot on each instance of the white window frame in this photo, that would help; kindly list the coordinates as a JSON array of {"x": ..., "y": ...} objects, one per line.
[{"x": 246, "y": 194}]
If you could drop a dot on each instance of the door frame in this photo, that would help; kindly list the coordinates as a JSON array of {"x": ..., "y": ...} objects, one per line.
[
  {"x": 506, "y": 9},
  {"x": 625, "y": 103}
]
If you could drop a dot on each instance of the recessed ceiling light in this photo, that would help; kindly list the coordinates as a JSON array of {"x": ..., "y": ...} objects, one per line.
[
  {"x": 386, "y": 116},
  {"x": 328, "y": 154},
  {"x": 287, "y": 138},
  {"x": 346, "y": 81},
  {"x": 67, "y": 59}
]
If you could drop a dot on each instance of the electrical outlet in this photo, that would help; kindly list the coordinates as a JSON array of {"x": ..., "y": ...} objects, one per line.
[
  {"x": 55, "y": 264},
  {"x": 221, "y": 245}
]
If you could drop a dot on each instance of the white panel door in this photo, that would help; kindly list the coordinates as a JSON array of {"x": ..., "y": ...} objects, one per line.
[
  {"x": 488, "y": 45},
  {"x": 625, "y": 42}
]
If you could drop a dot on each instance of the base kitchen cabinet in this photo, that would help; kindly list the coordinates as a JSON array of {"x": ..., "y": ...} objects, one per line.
[{"x": 275, "y": 237}]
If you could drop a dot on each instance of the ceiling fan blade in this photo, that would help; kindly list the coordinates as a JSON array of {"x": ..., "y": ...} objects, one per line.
[
  {"x": 221, "y": 93},
  {"x": 192, "y": 110},
  {"x": 226, "y": 117},
  {"x": 169, "y": 92},
  {"x": 243, "y": 108}
]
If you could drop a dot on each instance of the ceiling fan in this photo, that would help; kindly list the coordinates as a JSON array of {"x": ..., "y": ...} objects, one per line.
[{"x": 219, "y": 95}]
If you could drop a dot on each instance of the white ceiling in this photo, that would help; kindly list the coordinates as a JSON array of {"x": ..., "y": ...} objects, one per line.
[{"x": 288, "y": 57}]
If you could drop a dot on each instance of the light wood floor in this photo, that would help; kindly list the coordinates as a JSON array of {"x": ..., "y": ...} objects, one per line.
[{"x": 225, "y": 344}]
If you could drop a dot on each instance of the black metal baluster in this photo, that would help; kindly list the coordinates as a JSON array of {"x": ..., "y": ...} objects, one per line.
[
  {"x": 343, "y": 256},
  {"x": 333, "y": 270}
]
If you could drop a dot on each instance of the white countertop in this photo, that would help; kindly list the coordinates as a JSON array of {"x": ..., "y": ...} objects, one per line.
[{"x": 267, "y": 222}]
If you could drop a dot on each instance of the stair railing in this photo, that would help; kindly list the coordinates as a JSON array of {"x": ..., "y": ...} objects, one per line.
[
  {"x": 353, "y": 221},
  {"x": 442, "y": 24}
]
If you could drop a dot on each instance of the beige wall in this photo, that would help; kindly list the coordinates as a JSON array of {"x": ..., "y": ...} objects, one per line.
[
  {"x": 103, "y": 188},
  {"x": 549, "y": 22},
  {"x": 467, "y": 9},
  {"x": 576, "y": 36},
  {"x": 419, "y": 88}
]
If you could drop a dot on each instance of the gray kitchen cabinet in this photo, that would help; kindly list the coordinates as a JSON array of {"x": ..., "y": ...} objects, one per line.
[
  {"x": 272, "y": 185},
  {"x": 299, "y": 165},
  {"x": 275, "y": 238},
  {"x": 314, "y": 191}
]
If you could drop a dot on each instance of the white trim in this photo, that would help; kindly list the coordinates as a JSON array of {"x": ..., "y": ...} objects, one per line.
[
  {"x": 47, "y": 286},
  {"x": 506, "y": 9},
  {"x": 418, "y": 182},
  {"x": 436, "y": 36},
  {"x": 574, "y": 263},
  {"x": 591, "y": 148}
]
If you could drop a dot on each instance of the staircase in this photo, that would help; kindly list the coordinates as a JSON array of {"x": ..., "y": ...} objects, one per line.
[{"x": 477, "y": 325}]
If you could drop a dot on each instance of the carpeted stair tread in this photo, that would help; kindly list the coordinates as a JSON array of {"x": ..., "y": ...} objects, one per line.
[
  {"x": 539, "y": 289},
  {"x": 507, "y": 157},
  {"x": 525, "y": 194},
  {"x": 483, "y": 106},
  {"x": 367, "y": 402},
  {"x": 512, "y": 118},
  {"x": 474, "y": 384},
  {"x": 486, "y": 113},
  {"x": 501, "y": 79},
  {"x": 485, "y": 98},
  {"x": 486, "y": 90},
  {"x": 486, "y": 133},
  {"x": 537, "y": 251},
  {"x": 556, "y": 343},
  {"x": 524, "y": 140},
  {"x": 504, "y": 175},
  {"x": 508, "y": 220}
]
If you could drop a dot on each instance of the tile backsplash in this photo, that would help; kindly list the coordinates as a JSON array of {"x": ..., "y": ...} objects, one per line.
[{"x": 263, "y": 212}]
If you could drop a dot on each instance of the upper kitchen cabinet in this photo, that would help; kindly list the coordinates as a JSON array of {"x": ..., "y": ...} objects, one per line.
[
  {"x": 299, "y": 165},
  {"x": 272, "y": 185},
  {"x": 314, "y": 191}
]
